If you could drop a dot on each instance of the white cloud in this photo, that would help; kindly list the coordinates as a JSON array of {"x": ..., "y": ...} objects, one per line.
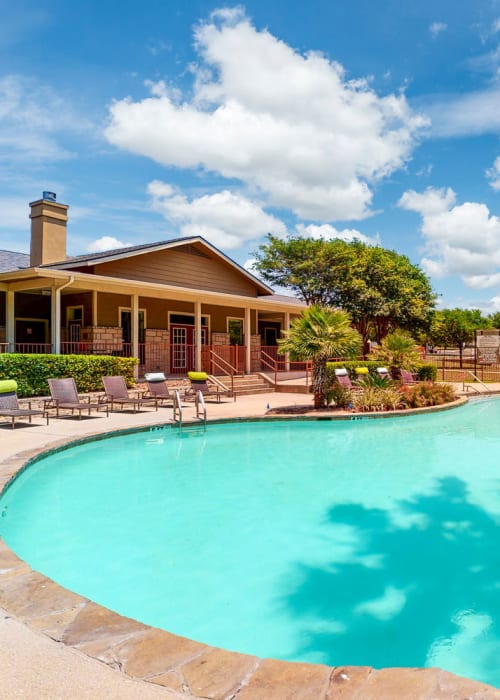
[
  {"x": 459, "y": 239},
  {"x": 291, "y": 126},
  {"x": 474, "y": 113},
  {"x": 493, "y": 174},
  {"x": 226, "y": 219},
  {"x": 106, "y": 243},
  {"x": 436, "y": 28},
  {"x": 32, "y": 121},
  {"x": 327, "y": 231}
]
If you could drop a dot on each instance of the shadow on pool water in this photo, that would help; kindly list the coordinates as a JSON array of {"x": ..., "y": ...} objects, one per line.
[{"x": 424, "y": 595}]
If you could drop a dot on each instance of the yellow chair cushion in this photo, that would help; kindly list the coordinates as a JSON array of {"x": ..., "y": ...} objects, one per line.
[
  {"x": 7, "y": 386},
  {"x": 361, "y": 370},
  {"x": 198, "y": 376}
]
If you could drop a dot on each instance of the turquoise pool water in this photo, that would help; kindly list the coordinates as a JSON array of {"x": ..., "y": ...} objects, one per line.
[{"x": 372, "y": 542}]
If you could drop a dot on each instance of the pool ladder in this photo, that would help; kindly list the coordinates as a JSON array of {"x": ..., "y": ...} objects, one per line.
[{"x": 201, "y": 413}]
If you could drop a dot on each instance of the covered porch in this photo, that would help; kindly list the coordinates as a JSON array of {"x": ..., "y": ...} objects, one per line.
[{"x": 168, "y": 328}]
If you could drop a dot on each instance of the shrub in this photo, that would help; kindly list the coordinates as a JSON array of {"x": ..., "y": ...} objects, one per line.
[
  {"x": 376, "y": 398},
  {"x": 32, "y": 371},
  {"x": 350, "y": 366},
  {"x": 339, "y": 396},
  {"x": 427, "y": 372},
  {"x": 427, "y": 394}
]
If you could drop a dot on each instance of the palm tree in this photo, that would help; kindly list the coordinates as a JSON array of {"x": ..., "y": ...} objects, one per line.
[
  {"x": 318, "y": 334},
  {"x": 398, "y": 350}
]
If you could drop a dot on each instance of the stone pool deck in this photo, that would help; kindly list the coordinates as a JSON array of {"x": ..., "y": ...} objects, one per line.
[{"x": 55, "y": 644}]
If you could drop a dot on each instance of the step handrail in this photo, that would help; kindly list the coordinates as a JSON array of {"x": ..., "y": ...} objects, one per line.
[
  {"x": 233, "y": 371},
  {"x": 488, "y": 390},
  {"x": 270, "y": 362}
]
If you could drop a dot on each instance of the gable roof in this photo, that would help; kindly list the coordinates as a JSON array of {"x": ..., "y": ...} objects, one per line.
[
  {"x": 91, "y": 259},
  {"x": 10, "y": 260}
]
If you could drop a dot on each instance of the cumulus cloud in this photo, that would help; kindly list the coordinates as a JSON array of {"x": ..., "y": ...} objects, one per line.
[
  {"x": 493, "y": 174},
  {"x": 327, "y": 231},
  {"x": 459, "y": 239},
  {"x": 436, "y": 28},
  {"x": 106, "y": 243},
  {"x": 227, "y": 219},
  {"x": 291, "y": 126}
]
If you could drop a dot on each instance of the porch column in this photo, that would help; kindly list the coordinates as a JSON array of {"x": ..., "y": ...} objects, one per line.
[
  {"x": 55, "y": 320},
  {"x": 287, "y": 328},
  {"x": 248, "y": 342},
  {"x": 94, "y": 308},
  {"x": 134, "y": 321},
  {"x": 10, "y": 321},
  {"x": 197, "y": 336}
]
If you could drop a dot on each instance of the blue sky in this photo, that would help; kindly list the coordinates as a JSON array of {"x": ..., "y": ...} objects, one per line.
[{"x": 351, "y": 118}]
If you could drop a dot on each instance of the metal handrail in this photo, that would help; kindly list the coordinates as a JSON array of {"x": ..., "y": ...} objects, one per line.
[
  {"x": 177, "y": 408},
  {"x": 477, "y": 380},
  {"x": 233, "y": 371},
  {"x": 270, "y": 362},
  {"x": 201, "y": 407},
  {"x": 274, "y": 364}
]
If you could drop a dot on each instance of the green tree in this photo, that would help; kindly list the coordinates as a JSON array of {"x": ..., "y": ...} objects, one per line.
[
  {"x": 494, "y": 320},
  {"x": 379, "y": 288},
  {"x": 453, "y": 328},
  {"x": 318, "y": 334}
]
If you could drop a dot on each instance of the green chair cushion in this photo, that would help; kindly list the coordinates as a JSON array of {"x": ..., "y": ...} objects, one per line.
[{"x": 7, "y": 385}]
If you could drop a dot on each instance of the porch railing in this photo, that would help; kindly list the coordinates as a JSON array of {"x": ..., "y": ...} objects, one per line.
[{"x": 284, "y": 370}]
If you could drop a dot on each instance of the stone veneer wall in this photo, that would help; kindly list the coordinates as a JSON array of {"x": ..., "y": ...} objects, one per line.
[
  {"x": 255, "y": 345},
  {"x": 157, "y": 350},
  {"x": 109, "y": 337},
  {"x": 220, "y": 338}
]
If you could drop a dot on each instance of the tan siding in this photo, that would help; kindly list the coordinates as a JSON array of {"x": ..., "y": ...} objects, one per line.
[
  {"x": 219, "y": 314},
  {"x": 182, "y": 269},
  {"x": 107, "y": 308},
  {"x": 157, "y": 310}
]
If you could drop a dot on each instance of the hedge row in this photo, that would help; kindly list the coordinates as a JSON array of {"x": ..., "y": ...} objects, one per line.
[
  {"x": 426, "y": 372},
  {"x": 31, "y": 372}
]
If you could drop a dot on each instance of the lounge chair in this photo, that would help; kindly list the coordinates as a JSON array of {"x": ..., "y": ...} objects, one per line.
[
  {"x": 361, "y": 373},
  {"x": 343, "y": 378},
  {"x": 200, "y": 381},
  {"x": 10, "y": 407},
  {"x": 158, "y": 389},
  {"x": 408, "y": 377},
  {"x": 383, "y": 373},
  {"x": 64, "y": 394},
  {"x": 116, "y": 392}
]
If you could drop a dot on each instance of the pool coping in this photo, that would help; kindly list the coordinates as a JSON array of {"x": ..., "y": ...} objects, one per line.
[{"x": 192, "y": 669}]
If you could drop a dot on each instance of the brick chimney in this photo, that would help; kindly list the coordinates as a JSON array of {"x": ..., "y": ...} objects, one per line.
[{"x": 48, "y": 230}]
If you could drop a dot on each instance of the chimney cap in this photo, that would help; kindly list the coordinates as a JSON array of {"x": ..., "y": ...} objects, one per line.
[{"x": 49, "y": 196}]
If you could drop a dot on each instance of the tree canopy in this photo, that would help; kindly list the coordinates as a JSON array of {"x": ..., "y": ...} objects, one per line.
[
  {"x": 379, "y": 288},
  {"x": 453, "y": 328}
]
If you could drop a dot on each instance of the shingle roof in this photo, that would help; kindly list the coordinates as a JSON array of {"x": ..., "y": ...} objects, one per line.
[
  {"x": 90, "y": 257},
  {"x": 10, "y": 260}
]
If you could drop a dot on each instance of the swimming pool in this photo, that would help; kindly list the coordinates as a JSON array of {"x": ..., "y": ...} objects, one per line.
[{"x": 374, "y": 543}]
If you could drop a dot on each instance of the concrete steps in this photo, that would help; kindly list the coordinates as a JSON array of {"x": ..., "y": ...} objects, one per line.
[{"x": 247, "y": 384}]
